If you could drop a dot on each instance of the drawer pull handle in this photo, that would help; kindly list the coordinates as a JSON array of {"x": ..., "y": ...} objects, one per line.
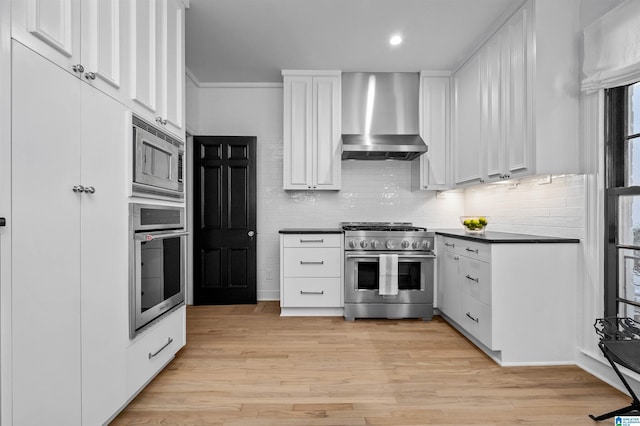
[
  {"x": 469, "y": 277},
  {"x": 449, "y": 245},
  {"x": 472, "y": 250},
  {"x": 472, "y": 318},
  {"x": 311, "y": 292},
  {"x": 321, "y": 240},
  {"x": 312, "y": 262},
  {"x": 169, "y": 341}
]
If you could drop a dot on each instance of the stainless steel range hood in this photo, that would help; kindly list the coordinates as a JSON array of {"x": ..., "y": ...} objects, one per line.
[{"x": 380, "y": 116}]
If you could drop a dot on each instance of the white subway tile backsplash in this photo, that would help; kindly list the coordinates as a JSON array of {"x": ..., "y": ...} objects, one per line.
[{"x": 554, "y": 209}]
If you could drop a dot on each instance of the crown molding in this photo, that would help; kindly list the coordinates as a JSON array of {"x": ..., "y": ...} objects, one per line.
[{"x": 230, "y": 85}]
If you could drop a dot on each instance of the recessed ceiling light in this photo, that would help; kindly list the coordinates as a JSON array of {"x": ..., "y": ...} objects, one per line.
[{"x": 395, "y": 40}]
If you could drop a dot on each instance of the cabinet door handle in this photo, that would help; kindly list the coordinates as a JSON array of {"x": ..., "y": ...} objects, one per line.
[
  {"x": 312, "y": 262},
  {"x": 449, "y": 245},
  {"x": 321, "y": 240},
  {"x": 472, "y": 250},
  {"x": 311, "y": 292},
  {"x": 472, "y": 318},
  {"x": 169, "y": 341},
  {"x": 3, "y": 221},
  {"x": 469, "y": 277}
]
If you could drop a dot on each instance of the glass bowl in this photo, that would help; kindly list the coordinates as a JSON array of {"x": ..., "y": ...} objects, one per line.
[{"x": 474, "y": 225}]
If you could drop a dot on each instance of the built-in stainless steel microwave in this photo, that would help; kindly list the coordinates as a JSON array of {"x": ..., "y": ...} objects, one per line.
[{"x": 157, "y": 163}]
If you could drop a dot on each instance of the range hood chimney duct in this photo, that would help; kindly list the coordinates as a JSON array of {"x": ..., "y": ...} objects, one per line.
[{"x": 380, "y": 116}]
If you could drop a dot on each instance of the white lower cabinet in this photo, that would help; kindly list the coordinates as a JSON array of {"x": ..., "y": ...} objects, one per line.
[
  {"x": 311, "y": 274},
  {"x": 151, "y": 351},
  {"x": 516, "y": 301}
]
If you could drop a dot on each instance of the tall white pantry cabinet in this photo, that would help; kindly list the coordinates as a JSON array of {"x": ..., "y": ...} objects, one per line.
[{"x": 75, "y": 81}]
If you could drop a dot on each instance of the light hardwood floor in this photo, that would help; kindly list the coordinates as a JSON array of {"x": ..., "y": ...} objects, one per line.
[{"x": 246, "y": 366}]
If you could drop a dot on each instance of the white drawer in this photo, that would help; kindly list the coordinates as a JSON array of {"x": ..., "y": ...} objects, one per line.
[
  {"x": 476, "y": 319},
  {"x": 312, "y": 262},
  {"x": 312, "y": 292},
  {"x": 150, "y": 352},
  {"x": 449, "y": 244},
  {"x": 475, "y": 279},
  {"x": 473, "y": 250},
  {"x": 312, "y": 240}
]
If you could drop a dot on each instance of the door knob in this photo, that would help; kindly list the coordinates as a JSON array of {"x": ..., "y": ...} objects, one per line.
[{"x": 251, "y": 234}]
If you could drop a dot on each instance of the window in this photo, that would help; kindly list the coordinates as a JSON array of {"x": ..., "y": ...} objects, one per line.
[{"x": 622, "y": 206}]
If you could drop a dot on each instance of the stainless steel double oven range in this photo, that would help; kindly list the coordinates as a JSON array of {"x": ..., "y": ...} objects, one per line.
[
  {"x": 389, "y": 271},
  {"x": 157, "y": 233}
]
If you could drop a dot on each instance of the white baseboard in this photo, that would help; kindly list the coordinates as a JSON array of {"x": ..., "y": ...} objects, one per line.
[
  {"x": 603, "y": 371},
  {"x": 268, "y": 295}
]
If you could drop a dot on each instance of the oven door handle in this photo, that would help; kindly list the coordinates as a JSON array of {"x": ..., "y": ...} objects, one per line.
[
  {"x": 400, "y": 256},
  {"x": 150, "y": 236}
]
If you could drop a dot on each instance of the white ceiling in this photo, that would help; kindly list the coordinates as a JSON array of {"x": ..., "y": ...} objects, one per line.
[{"x": 252, "y": 40}]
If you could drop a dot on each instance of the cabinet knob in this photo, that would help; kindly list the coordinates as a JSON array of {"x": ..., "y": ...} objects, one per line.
[
  {"x": 160, "y": 120},
  {"x": 78, "y": 188},
  {"x": 3, "y": 221},
  {"x": 90, "y": 190},
  {"x": 90, "y": 76},
  {"x": 77, "y": 68}
]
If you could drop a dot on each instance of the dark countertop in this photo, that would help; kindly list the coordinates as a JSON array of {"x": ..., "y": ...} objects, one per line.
[
  {"x": 311, "y": 231},
  {"x": 503, "y": 237}
]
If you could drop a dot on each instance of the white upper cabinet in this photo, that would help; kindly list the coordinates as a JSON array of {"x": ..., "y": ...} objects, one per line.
[
  {"x": 312, "y": 116},
  {"x": 467, "y": 112},
  {"x": 171, "y": 70},
  {"x": 131, "y": 50},
  {"x": 430, "y": 171},
  {"x": 517, "y": 62},
  {"x": 516, "y": 101},
  {"x": 50, "y": 27},
  {"x": 83, "y": 38},
  {"x": 157, "y": 62}
]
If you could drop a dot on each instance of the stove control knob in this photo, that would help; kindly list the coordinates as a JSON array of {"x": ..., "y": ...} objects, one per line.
[
  {"x": 375, "y": 244},
  {"x": 353, "y": 244},
  {"x": 405, "y": 244},
  {"x": 426, "y": 245},
  {"x": 390, "y": 244},
  {"x": 364, "y": 243},
  {"x": 416, "y": 244}
]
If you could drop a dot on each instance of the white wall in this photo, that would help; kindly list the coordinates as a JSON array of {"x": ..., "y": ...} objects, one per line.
[{"x": 373, "y": 191}]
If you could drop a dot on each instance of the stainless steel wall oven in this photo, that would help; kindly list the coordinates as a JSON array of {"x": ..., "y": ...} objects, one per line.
[
  {"x": 157, "y": 263},
  {"x": 389, "y": 271}
]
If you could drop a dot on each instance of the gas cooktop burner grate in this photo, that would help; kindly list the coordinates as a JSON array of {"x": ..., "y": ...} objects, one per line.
[{"x": 382, "y": 226}]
